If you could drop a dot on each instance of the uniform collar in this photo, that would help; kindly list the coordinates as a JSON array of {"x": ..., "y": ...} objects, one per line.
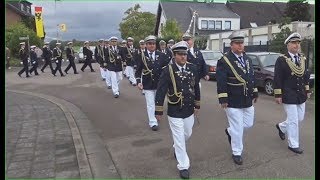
[
  {"x": 237, "y": 56},
  {"x": 292, "y": 55},
  {"x": 184, "y": 66}
]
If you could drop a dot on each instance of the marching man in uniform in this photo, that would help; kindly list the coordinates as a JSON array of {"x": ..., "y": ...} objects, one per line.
[
  {"x": 115, "y": 58},
  {"x": 129, "y": 51},
  {"x": 24, "y": 59},
  {"x": 57, "y": 56},
  {"x": 236, "y": 92},
  {"x": 106, "y": 72},
  {"x": 70, "y": 56},
  {"x": 291, "y": 88},
  {"x": 164, "y": 49},
  {"x": 88, "y": 54},
  {"x": 34, "y": 60},
  {"x": 195, "y": 57},
  {"x": 47, "y": 54},
  {"x": 99, "y": 56},
  {"x": 180, "y": 83},
  {"x": 150, "y": 65}
]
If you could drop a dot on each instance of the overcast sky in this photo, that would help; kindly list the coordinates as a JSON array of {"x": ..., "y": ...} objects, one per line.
[{"x": 84, "y": 20}]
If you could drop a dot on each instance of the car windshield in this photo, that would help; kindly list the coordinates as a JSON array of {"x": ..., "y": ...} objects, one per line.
[
  {"x": 269, "y": 60},
  {"x": 211, "y": 55}
]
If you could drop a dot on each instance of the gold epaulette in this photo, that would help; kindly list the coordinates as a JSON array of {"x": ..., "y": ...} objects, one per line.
[
  {"x": 221, "y": 95},
  {"x": 159, "y": 108},
  {"x": 277, "y": 91}
]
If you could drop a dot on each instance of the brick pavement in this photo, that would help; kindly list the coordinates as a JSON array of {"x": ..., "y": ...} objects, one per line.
[{"x": 39, "y": 142}]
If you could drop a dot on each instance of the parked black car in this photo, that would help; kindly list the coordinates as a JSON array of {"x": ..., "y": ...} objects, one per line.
[{"x": 263, "y": 64}]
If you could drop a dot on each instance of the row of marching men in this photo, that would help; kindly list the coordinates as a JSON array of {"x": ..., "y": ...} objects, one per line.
[{"x": 48, "y": 55}]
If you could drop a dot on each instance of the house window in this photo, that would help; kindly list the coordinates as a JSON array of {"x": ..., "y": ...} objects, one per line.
[
  {"x": 204, "y": 24},
  {"x": 227, "y": 25},
  {"x": 211, "y": 24},
  {"x": 218, "y": 24}
]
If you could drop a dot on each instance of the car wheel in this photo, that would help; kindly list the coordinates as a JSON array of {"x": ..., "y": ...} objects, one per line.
[{"x": 268, "y": 87}]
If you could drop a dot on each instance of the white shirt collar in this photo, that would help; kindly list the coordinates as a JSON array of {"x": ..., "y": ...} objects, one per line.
[
  {"x": 292, "y": 56},
  {"x": 153, "y": 54},
  {"x": 184, "y": 66},
  {"x": 237, "y": 55}
]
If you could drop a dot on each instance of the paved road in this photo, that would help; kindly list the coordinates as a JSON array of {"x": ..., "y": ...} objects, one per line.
[
  {"x": 39, "y": 142},
  {"x": 138, "y": 152}
]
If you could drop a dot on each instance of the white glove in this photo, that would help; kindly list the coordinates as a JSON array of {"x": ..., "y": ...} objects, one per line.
[
  {"x": 56, "y": 61},
  {"x": 21, "y": 62},
  {"x": 42, "y": 60},
  {"x": 33, "y": 62}
]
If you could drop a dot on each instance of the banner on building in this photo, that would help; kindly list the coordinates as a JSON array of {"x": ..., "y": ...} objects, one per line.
[
  {"x": 39, "y": 22},
  {"x": 63, "y": 27}
]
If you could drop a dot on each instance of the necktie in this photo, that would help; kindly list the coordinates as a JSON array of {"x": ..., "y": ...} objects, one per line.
[
  {"x": 114, "y": 48},
  {"x": 151, "y": 56},
  {"x": 182, "y": 70},
  {"x": 296, "y": 60},
  {"x": 241, "y": 61}
]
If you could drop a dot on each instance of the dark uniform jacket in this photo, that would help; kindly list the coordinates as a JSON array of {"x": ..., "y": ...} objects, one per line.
[
  {"x": 70, "y": 53},
  {"x": 181, "y": 103},
  {"x": 198, "y": 60},
  {"x": 167, "y": 52},
  {"x": 88, "y": 53},
  {"x": 237, "y": 89},
  {"x": 114, "y": 59},
  {"x": 129, "y": 56},
  {"x": 46, "y": 53},
  {"x": 33, "y": 57},
  {"x": 23, "y": 56},
  {"x": 291, "y": 82},
  {"x": 150, "y": 69},
  {"x": 57, "y": 54},
  {"x": 99, "y": 55}
]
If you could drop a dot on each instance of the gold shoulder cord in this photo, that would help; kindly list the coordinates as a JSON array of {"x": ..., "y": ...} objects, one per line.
[
  {"x": 238, "y": 77},
  {"x": 296, "y": 70},
  {"x": 177, "y": 94},
  {"x": 129, "y": 56},
  {"x": 112, "y": 59},
  {"x": 147, "y": 70}
]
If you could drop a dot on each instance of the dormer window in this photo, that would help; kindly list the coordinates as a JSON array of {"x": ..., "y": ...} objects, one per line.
[
  {"x": 204, "y": 24},
  {"x": 218, "y": 25},
  {"x": 211, "y": 24}
]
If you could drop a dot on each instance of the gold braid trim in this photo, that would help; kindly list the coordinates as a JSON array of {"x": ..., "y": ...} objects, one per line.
[
  {"x": 159, "y": 108},
  {"x": 307, "y": 87},
  {"x": 238, "y": 77},
  {"x": 277, "y": 91},
  {"x": 175, "y": 92},
  {"x": 197, "y": 103},
  {"x": 296, "y": 70},
  {"x": 255, "y": 89},
  {"x": 111, "y": 56},
  {"x": 147, "y": 70},
  {"x": 221, "y": 95}
]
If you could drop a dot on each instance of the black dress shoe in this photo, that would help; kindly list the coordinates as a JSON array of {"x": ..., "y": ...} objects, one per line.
[
  {"x": 229, "y": 137},
  {"x": 93, "y": 71},
  {"x": 184, "y": 174},
  {"x": 237, "y": 159},
  {"x": 76, "y": 73},
  {"x": 82, "y": 70},
  {"x": 109, "y": 87},
  {"x": 66, "y": 72},
  {"x": 281, "y": 134},
  {"x": 296, "y": 150},
  {"x": 134, "y": 84},
  {"x": 154, "y": 128},
  {"x": 174, "y": 154},
  {"x": 116, "y": 96},
  {"x": 27, "y": 76},
  {"x": 103, "y": 79},
  {"x": 42, "y": 71},
  {"x": 62, "y": 75},
  {"x": 19, "y": 75}
]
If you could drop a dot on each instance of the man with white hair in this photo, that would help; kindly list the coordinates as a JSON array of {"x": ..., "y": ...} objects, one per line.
[{"x": 291, "y": 89}]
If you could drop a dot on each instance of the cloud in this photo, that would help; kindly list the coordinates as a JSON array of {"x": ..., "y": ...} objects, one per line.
[{"x": 87, "y": 20}]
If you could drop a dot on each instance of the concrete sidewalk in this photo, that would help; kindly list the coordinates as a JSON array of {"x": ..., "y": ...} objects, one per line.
[{"x": 48, "y": 137}]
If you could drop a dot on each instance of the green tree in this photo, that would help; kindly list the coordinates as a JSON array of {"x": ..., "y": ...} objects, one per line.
[
  {"x": 12, "y": 34},
  {"x": 298, "y": 10},
  {"x": 136, "y": 24},
  {"x": 200, "y": 42},
  {"x": 171, "y": 30},
  {"x": 277, "y": 44},
  {"x": 307, "y": 46}
]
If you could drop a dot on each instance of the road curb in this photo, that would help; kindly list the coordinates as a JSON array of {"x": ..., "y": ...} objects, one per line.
[{"x": 83, "y": 161}]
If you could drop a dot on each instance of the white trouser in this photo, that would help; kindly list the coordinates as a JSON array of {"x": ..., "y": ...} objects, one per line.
[
  {"x": 103, "y": 73},
  {"x": 108, "y": 77},
  {"x": 150, "y": 100},
  {"x": 130, "y": 73},
  {"x": 181, "y": 131},
  {"x": 125, "y": 72},
  {"x": 295, "y": 114},
  {"x": 116, "y": 77},
  {"x": 199, "y": 85},
  {"x": 239, "y": 119}
]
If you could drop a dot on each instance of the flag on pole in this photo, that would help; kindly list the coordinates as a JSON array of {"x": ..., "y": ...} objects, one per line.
[
  {"x": 39, "y": 22},
  {"x": 63, "y": 27}
]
